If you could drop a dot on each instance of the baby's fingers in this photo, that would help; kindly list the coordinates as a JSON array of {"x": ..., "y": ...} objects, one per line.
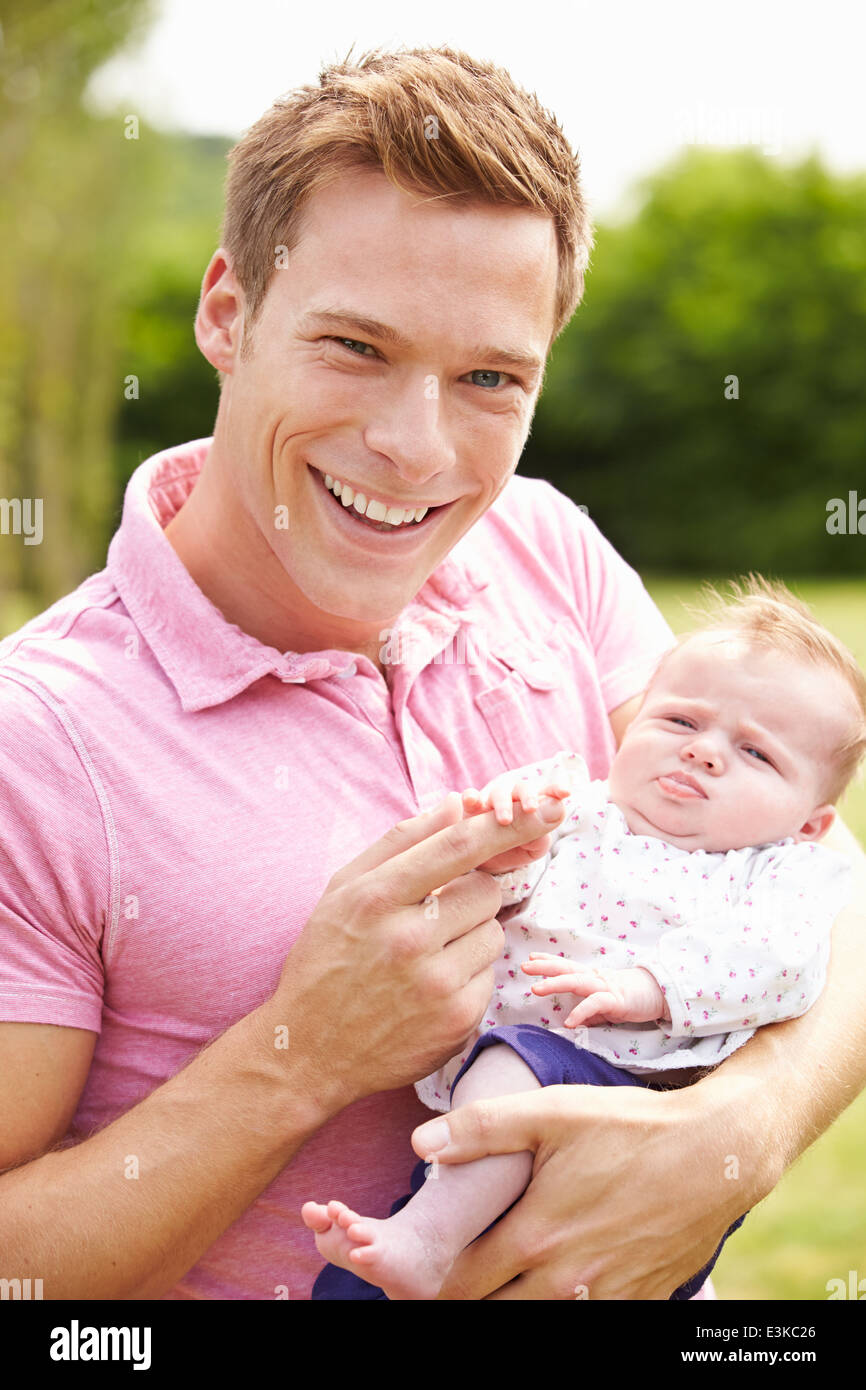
[
  {"x": 558, "y": 787},
  {"x": 565, "y": 984},
  {"x": 599, "y": 1004},
  {"x": 540, "y": 963},
  {"x": 503, "y": 795}
]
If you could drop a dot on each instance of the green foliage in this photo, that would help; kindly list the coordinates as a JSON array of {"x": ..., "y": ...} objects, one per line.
[
  {"x": 103, "y": 236},
  {"x": 733, "y": 265}
]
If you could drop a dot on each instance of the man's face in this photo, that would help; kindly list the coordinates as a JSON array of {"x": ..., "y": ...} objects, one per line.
[
  {"x": 730, "y": 748},
  {"x": 386, "y": 358}
]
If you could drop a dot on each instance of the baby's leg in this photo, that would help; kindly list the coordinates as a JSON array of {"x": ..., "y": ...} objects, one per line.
[{"x": 409, "y": 1254}]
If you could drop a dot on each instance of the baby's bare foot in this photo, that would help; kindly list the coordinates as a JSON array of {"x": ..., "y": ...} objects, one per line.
[{"x": 403, "y": 1255}]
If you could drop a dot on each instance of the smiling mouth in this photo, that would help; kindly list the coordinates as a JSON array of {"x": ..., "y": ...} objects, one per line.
[{"x": 376, "y": 515}]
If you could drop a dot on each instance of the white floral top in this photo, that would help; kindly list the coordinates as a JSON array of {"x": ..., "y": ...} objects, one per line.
[{"x": 735, "y": 940}]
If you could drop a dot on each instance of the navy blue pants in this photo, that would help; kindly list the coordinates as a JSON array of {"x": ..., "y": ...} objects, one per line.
[{"x": 555, "y": 1062}]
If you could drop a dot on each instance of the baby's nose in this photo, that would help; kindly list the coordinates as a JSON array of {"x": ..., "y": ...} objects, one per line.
[{"x": 704, "y": 753}]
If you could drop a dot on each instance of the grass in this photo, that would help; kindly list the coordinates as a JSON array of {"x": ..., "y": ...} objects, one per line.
[{"x": 812, "y": 1228}]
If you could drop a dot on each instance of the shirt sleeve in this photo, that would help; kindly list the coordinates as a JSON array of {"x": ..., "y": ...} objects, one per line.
[
  {"x": 517, "y": 884},
  {"x": 624, "y": 626},
  {"x": 762, "y": 956},
  {"x": 53, "y": 868}
]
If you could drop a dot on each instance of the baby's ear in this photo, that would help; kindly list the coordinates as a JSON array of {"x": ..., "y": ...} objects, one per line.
[{"x": 816, "y": 827}]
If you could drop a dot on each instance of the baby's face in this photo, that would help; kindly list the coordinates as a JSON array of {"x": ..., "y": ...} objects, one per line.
[{"x": 731, "y": 747}]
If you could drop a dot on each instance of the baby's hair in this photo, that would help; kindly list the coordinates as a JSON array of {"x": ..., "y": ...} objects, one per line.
[{"x": 766, "y": 614}]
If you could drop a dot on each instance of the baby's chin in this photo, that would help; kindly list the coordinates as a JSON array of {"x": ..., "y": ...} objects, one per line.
[{"x": 641, "y": 824}]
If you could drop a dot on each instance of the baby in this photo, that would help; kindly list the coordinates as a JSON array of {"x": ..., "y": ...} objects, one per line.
[{"x": 684, "y": 903}]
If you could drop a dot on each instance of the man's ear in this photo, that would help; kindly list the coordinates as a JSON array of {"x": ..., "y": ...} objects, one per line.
[
  {"x": 219, "y": 322},
  {"x": 816, "y": 827}
]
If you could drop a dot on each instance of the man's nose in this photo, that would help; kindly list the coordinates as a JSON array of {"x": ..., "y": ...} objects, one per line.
[
  {"x": 704, "y": 750},
  {"x": 415, "y": 433}
]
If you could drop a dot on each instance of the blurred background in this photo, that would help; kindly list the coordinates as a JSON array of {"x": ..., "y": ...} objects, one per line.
[{"x": 706, "y": 404}]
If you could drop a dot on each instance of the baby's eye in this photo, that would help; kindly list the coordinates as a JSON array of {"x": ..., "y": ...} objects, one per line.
[
  {"x": 758, "y": 754},
  {"x": 677, "y": 719}
]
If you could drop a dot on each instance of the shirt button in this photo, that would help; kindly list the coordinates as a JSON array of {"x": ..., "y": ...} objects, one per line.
[
  {"x": 319, "y": 670},
  {"x": 542, "y": 675},
  {"x": 314, "y": 671}
]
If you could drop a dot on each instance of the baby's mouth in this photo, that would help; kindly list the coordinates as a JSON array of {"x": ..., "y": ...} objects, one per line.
[{"x": 681, "y": 784}]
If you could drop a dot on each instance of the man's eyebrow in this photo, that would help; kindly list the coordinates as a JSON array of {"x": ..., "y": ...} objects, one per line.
[{"x": 347, "y": 318}]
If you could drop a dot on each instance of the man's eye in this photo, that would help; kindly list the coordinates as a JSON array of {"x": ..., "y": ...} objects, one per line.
[
  {"x": 484, "y": 373},
  {"x": 353, "y": 344}
]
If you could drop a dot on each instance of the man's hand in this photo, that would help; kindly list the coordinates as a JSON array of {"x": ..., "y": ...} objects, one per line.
[
  {"x": 609, "y": 996},
  {"x": 499, "y": 797},
  {"x": 393, "y": 971},
  {"x": 630, "y": 1194}
]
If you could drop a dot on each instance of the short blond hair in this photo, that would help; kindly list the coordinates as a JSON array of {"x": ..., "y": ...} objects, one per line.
[
  {"x": 435, "y": 122},
  {"x": 764, "y": 613}
]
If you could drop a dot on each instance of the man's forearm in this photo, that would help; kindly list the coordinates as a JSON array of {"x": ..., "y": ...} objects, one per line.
[
  {"x": 204, "y": 1145},
  {"x": 804, "y": 1072}
]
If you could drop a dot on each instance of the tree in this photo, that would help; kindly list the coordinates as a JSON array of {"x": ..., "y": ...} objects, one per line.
[{"x": 735, "y": 266}]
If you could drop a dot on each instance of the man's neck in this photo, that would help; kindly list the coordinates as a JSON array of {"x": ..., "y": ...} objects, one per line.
[{"x": 242, "y": 577}]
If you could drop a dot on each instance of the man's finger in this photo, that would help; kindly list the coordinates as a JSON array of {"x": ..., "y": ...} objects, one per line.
[
  {"x": 504, "y": 1125},
  {"x": 458, "y": 849},
  {"x": 402, "y": 836}
]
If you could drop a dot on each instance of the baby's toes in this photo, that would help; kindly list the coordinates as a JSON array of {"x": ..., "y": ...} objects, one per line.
[
  {"x": 316, "y": 1216},
  {"x": 361, "y": 1232},
  {"x": 346, "y": 1217}
]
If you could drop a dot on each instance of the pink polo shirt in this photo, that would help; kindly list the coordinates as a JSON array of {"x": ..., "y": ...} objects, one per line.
[{"x": 175, "y": 796}]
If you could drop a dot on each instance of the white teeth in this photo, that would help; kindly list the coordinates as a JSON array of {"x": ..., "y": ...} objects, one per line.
[{"x": 371, "y": 508}]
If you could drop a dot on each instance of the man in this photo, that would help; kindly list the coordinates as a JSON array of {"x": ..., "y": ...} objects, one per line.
[{"x": 213, "y": 741}]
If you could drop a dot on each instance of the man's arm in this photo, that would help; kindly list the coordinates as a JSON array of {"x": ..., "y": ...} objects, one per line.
[
  {"x": 127, "y": 1212},
  {"x": 208, "y": 1141}
]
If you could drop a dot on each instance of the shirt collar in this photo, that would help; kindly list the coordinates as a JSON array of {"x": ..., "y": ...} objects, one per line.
[{"x": 207, "y": 659}]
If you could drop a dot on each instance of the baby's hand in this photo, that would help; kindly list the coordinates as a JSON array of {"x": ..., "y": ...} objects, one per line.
[
  {"x": 499, "y": 796},
  {"x": 612, "y": 996}
]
